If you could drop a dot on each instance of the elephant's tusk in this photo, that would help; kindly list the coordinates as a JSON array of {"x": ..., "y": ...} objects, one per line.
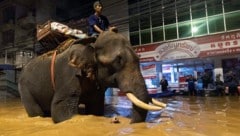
[
  {"x": 141, "y": 104},
  {"x": 155, "y": 102}
]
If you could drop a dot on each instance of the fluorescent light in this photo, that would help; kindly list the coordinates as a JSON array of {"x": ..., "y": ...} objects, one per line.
[{"x": 194, "y": 29}]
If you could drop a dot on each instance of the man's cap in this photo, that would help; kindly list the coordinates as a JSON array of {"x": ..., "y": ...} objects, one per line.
[{"x": 96, "y": 3}]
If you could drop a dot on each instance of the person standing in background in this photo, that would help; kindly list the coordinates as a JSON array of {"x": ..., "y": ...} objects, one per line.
[
  {"x": 206, "y": 79},
  {"x": 191, "y": 85},
  {"x": 232, "y": 83},
  {"x": 164, "y": 84},
  {"x": 220, "y": 88}
]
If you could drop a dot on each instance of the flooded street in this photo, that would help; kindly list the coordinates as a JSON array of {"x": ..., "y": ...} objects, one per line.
[{"x": 184, "y": 116}]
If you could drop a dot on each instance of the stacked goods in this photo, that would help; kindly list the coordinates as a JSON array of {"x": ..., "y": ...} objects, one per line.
[{"x": 52, "y": 34}]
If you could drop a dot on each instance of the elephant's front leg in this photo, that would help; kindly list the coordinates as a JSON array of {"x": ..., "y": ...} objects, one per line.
[
  {"x": 138, "y": 114},
  {"x": 64, "y": 108}
]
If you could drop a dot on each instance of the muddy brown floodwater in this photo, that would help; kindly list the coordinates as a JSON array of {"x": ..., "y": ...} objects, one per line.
[{"x": 184, "y": 116}]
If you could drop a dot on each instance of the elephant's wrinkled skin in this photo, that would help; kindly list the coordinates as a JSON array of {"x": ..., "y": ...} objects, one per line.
[{"x": 113, "y": 62}]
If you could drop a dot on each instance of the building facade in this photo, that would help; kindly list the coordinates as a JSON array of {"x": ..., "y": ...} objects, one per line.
[
  {"x": 17, "y": 38},
  {"x": 178, "y": 38}
]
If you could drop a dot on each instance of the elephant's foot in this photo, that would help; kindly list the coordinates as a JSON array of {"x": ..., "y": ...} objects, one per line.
[
  {"x": 138, "y": 115},
  {"x": 33, "y": 109}
]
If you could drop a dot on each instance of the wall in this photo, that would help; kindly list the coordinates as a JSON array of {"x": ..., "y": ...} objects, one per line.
[
  {"x": 45, "y": 10},
  {"x": 116, "y": 18}
]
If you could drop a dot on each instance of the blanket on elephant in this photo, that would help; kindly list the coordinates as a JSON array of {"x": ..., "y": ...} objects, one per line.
[
  {"x": 60, "y": 48},
  {"x": 52, "y": 34}
]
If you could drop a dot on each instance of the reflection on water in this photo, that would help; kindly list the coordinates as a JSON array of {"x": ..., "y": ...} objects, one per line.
[{"x": 184, "y": 116}]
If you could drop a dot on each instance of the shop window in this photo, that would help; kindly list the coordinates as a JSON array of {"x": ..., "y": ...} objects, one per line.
[
  {"x": 184, "y": 29},
  {"x": 149, "y": 72},
  {"x": 156, "y": 13},
  {"x": 198, "y": 9},
  {"x": 170, "y": 32},
  {"x": 167, "y": 71},
  {"x": 178, "y": 72},
  {"x": 133, "y": 24},
  {"x": 183, "y": 10},
  {"x": 157, "y": 34},
  {"x": 131, "y": 2},
  {"x": 133, "y": 7},
  {"x": 214, "y": 7},
  {"x": 144, "y": 15},
  {"x": 186, "y": 71},
  {"x": 231, "y": 5},
  {"x": 232, "y": 20},
  {"x": 145, "y": 21},
  {"x": 169, "y": 18},
  {"x": 8, "y": 14},
  {"x": 156, "y": 19},
  {"x": 216, "y": 24},
  {"x": 8, "y": 37},
  {"x": 151, "y": 83},
  {"x": 169, "y": 12},
  {"x": 199, "y": 27},
  {"x": 183, "y": 15},
  {"x": 134, "y": 38},
  {"x": 145, "y": 36},
  {"x": 231, "y": 65}
]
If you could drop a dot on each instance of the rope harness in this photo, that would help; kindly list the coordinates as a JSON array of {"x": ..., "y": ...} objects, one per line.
[
  {"x": 52, "y": 69},
  {"x": 60, "y": 49}
]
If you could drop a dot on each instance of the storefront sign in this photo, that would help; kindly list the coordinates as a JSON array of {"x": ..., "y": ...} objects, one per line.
[
  {"x": 175, "y": 50},
  {"x": 148, "y": 69},
  {"x": 149, "y": 72},
  {"x": 213, "y": 45}
]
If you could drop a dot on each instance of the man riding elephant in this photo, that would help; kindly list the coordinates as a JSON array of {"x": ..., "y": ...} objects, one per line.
[{"x": 81, "y": 75}]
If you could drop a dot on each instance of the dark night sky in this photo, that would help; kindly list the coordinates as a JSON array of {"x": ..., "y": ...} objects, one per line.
[{"x": 74, "y": 9}]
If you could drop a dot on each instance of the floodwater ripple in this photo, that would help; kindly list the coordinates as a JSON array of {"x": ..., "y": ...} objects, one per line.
[{"x": 184, "y": 116}]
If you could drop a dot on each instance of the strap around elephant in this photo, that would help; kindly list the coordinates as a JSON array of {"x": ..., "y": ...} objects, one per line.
[{"x": 52, "y": 69}]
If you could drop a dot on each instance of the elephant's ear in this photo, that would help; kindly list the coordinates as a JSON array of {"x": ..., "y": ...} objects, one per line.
[
  {"x": 79, "y": 55},
  {"x": 73, "y": 61},
  {"x": 83, "y": 68}
]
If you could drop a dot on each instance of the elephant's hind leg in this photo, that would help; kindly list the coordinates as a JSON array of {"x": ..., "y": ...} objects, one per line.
[{"x": 32, "y": 107}]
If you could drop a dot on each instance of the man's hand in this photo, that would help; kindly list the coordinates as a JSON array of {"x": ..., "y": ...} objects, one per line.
[
  {"x": 98, "y": 29},
  {"x": 113, "y": 29}
]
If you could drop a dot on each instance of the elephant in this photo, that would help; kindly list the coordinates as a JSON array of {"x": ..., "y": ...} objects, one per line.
[{"x": 82, "y": 73}]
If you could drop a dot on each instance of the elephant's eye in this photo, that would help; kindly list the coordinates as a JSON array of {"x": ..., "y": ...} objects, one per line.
[
  {"x": 117, "y": 64},
  {"x": 118, "y": 59}
]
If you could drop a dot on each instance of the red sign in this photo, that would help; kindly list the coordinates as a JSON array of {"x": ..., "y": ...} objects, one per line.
[
  {"x": 213, "y": 45},
  {"x": 149, "y": 67}
]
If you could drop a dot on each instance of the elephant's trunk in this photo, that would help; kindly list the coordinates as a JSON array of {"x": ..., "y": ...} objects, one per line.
[{"x": 132, "y": 83}]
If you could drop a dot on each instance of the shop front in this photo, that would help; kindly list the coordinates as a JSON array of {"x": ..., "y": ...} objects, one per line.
[{"x": 202, "y": 57}]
